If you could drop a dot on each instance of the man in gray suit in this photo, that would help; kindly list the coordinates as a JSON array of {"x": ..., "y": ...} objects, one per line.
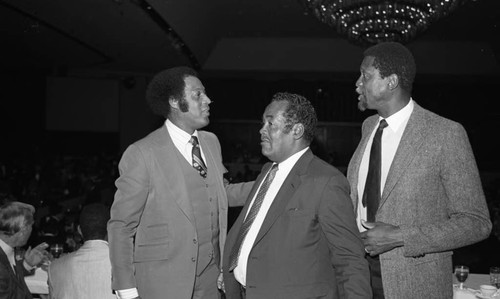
[
  {"x": 428, "y": 198},
  {"x": 169, "y": 217}
]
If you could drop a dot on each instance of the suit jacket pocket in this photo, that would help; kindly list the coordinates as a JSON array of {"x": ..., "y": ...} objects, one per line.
[
  {"x": 429, "y": 258},
  {"x": 298, "y": 212},
  {"x": 151, "y": 252},
  {"x": 151, "y": 243}
]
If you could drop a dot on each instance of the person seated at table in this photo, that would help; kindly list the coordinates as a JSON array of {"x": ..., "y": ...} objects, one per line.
[
  {"x": 85, "y": 273},
  {"x": 16, "y": 221},
  {"x": 52, "y": 227}
]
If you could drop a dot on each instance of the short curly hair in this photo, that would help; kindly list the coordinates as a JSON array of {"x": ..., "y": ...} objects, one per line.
[
  {"x": 166, "y": 84},
  {"x": 299, "y": 110},
  {"x": 394, "y": 58},
  {"x": 93, "y": 221}
]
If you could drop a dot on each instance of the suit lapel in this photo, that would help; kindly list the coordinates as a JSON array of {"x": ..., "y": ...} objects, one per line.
[
  {"x": 170, "y": 164},
  {"x": 5, "y": 263},
  {"x": 286, "y": 192},
  {"x": 411, "y": 140}
]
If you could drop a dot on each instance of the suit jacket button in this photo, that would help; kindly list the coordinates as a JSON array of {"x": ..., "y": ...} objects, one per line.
[
  {"x": 193, "y": 259},
  {"x": 194, "y": 241}
]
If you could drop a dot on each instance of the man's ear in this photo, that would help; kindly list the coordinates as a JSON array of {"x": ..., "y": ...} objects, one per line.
[
  {"x": 393, "y": 81},
  {"x": 298, "y": 131},
  {"x": 173, "y": 102}
]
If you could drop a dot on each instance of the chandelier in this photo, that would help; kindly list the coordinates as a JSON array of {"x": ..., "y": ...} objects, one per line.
[{"x": 367, "y": 22}]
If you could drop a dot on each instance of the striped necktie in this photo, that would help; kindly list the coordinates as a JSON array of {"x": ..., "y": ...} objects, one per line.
[
  {"x": 198, "y": 162},
  {"x": 247, "y": 223}
]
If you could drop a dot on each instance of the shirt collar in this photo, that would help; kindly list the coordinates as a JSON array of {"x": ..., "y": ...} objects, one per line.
[
  {"x": 9, "y": 251},
  {"x": 288, "y": 164},
  {"x": 179, "y": 133},
  {"x": 397, "y": 119},
  {"x": 96, "y": 241}
]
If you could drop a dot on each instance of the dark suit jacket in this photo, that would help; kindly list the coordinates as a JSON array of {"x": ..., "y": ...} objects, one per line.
[
  {"x": 12, "y": 286},
  {"x": 433, "y": 193},
  {"x": 308, "y": 245}
]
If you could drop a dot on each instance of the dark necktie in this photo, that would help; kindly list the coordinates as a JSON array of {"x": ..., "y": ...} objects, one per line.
[
  {"x": 247, "y": 223},
  {"x": 371, "y": 195},
  {"x": 198, "y": 162}
]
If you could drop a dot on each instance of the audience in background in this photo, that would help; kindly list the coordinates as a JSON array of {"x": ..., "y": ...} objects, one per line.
[
  {"x": 51, "y": 227},
  {"x": 85, "y": 273}
]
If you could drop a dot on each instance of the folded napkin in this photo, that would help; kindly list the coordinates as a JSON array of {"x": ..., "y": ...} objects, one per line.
[{"x": 464, "y": 294}]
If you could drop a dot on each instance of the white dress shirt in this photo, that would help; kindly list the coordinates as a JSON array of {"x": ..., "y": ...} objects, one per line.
[
  {"x": 391, "y": 137},
  {"x": 181, "y": 141},
  {"x": 284, "y": 168}
]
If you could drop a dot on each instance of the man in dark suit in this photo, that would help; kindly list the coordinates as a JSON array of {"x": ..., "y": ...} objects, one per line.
[
  {"x": 296, "y": 236},
  {"x": 169, "y": 217},
  {"x": 428, "y": 198},
  {"x": 16, "y": 221}
]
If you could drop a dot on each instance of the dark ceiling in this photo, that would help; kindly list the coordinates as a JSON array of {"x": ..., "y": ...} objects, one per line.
[{"x": 142, "y": 36}]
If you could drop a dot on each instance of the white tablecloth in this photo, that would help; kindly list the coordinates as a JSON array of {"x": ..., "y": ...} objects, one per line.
[
  {"x": 37, "y": 283},
  {"x": 471, "y": 284}
]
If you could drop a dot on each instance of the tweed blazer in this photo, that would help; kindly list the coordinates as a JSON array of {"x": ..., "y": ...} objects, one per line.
[
  {"x": 12, "y": 286},
  {"x": 433, "y": 193},
  {"x": 152, "y": 225}
]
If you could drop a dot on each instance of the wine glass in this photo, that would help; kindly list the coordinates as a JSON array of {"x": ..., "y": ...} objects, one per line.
[
  {"x": 461, "y": 272},
  {"x": 56, "y": 250},
  {"x": 495, "y": 276}
]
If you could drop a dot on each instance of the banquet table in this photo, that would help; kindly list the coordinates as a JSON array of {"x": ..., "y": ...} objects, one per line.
[
  {"x": 471, "y": 286},
  {"x": 37, "y": 284}
]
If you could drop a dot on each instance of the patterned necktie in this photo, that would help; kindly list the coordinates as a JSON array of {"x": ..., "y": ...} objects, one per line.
[
  {"x": 371, "y": 195},
  {"x": 247, "y": 223},
  {"x": 198, "y": 162}
]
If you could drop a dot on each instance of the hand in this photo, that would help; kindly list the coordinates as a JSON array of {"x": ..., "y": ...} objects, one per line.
[
  {"x": 380, "y": 237},
  {"x": 34, "y": 257},
  {"x": 220, "y": 282}
]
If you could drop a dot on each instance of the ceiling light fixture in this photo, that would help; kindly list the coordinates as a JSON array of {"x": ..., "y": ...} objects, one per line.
[{"x": 367, "y": 22}]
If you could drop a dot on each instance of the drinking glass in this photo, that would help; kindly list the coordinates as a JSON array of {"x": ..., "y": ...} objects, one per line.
[
  {"x": 461, "y": 272},
  {"x": 495, "y": 276},
  {"x": 56, "y": 250}
]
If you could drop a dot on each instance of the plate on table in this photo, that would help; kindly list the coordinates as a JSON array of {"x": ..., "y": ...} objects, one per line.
[{"x": 481, "y": 296}]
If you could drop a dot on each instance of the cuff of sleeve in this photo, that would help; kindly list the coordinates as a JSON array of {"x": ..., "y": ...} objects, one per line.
[
  {"x": 127, "y": 293},
  {"x": 27, "y": 266}
]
